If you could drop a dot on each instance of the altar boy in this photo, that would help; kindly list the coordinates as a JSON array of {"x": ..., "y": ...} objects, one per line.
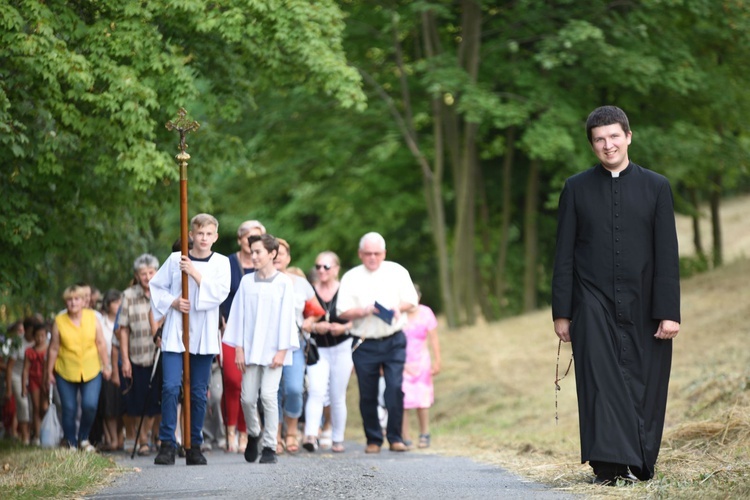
[{"x": 209, "y": 278}]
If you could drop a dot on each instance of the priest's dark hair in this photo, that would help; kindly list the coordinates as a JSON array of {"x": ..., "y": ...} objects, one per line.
[
  {"x": 606, "y": 115},
  {"x": 270, "y": 243}
]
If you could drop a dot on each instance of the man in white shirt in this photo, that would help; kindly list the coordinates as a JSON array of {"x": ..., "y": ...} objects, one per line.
[{"x": 373, "y": 296}]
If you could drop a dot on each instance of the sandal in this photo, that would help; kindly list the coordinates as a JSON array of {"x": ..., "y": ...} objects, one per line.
[
  {"x": 243, "y": 442},
  {"x": 292, "y": 444},
  {"x": 231, "y": 442},
  {"x": 279, "y": 448},
  {"x": 338, "y": 448},
  {"x": 144, "y": 450},
  {"x": 424, "y": 441},
  {"x": 310, "y": 444},
  {"x": 326, "y": 439}
]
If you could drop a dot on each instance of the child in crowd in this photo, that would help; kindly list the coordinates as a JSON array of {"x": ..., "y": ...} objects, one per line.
[
  {"x": 33, "y": 374},
  {"x": 420, "y": 331},
  {"x": 209, "y": 277},
  {"x": 261, "y": 327}
]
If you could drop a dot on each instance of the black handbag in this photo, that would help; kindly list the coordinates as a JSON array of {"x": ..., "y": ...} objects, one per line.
[{"x": 311, "y": 352}]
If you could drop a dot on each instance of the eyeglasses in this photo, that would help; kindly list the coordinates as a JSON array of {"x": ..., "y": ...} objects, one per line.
[{"x": 327, "y": 267}]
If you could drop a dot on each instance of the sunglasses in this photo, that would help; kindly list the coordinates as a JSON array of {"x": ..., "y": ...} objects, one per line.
[{"x": 327, "y": 267}]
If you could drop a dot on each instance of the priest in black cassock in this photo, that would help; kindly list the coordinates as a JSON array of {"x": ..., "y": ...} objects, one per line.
[{"x": 616, "y": 297}]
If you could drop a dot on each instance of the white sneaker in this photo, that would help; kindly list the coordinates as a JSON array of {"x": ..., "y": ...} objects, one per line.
[
  {"x": 86, "y": 446},
  {"x": 36, "y": 442}
]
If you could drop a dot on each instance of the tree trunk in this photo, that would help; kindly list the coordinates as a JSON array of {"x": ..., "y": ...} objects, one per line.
[
  {"x": 531, "y": 241},
  {"x": 464, "y": 262},
  {"x": 715, "y": 202},
  {"x": 696, "y": 219},
  {"x": 501, "y": 283}
]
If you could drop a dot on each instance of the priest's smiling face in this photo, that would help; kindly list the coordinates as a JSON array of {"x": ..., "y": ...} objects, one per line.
[{"x": 610, "y": 144}]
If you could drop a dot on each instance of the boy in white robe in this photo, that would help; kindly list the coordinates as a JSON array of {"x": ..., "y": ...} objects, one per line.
[
  {"x": 262, "y": 328},
  {"x": 208, "y": 278}
]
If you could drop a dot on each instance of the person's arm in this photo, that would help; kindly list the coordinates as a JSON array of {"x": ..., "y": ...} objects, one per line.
[
  {"x": 25, "y": 376},
  {"x": 665, "y": 301},
  {"x": 239, "y": 358},
  {"x": 127, "y": 369},
  {"x": 278, "y": 359},
  {"x": 358, "y": 312},
  {"x": 54, "y": 348},
  {"x": 101, "y": 346},
  {"x": 337, "y": 329},
  {"x": 8, "y": 377},
  {"x": 115, "y": 379},
  {"x": 435, "y": 344},
  {"x": 564, "y": 264}
]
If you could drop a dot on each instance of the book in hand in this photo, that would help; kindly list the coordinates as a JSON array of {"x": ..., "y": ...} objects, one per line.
[{"x": 383, "y": 312}]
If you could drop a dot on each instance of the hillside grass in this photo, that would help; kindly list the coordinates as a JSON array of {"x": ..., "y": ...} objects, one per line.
[{"x": 495, "y": 399}]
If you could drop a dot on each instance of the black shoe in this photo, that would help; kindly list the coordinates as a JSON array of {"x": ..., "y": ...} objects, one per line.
[
  {"x": 618, "y": 480},
  {"x": 165, "y": 455},
  {"x": 181, "y": 451},
  {"x": 605, "y": 480},
  {"x": 268, "y": 456},
  {"x": 251, "y": 450},
  {"x": 194, "y": 456}
]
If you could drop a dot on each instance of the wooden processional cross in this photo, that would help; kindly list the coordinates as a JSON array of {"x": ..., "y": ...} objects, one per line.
[{"x": 183, "y": 125}]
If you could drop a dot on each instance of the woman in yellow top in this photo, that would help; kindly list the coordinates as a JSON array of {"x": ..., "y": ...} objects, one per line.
[{"x": 76, "y": 363}]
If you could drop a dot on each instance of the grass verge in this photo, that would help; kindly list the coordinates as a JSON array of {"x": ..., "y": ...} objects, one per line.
[{"x": 29, "y": 473}]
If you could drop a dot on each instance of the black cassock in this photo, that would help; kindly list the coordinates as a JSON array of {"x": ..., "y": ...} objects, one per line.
[{"x": 616, "y": 276}]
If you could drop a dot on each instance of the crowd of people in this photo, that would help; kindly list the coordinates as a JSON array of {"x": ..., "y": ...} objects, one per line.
[
  {"x": 114, "y": 363},
  {"x": 255, "y": 323}
]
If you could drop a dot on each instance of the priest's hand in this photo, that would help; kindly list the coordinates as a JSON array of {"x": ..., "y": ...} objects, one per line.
[
  {"x": 562, "y": 329},
  {"x": 667, "y": 330}
]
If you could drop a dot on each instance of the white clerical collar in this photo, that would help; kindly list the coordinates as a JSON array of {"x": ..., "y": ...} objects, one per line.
[{"x": 615, "y": 174}]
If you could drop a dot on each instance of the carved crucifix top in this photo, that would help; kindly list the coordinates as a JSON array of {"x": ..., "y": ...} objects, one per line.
[{"x": 183, "y": 125}]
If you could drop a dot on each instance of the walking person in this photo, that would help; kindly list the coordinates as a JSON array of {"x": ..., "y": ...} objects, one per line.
[
  {"x": 420, "y": 367},
  {"x": 33, "y": 378},
  {"x": 261, "y": 328},
  {"x": 616, "y": 297},
  {"x": 137, "y": 351},
  {"x": 240, "y": 264},
  {"x": 77, "y": 362},
  {"x": 373, "y": 296},
  {"x": 208, "y": 285},
  {"x": 330, "y": 375},
  {"x": 21, "y": 332},
  {"x": 292, "y": 384},
  {"x": 110, "y": 403}
]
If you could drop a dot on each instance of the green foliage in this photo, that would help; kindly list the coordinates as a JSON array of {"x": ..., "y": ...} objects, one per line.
[
  {"x": 88, "y": 175},
  {"x": 85, "y": 90}
]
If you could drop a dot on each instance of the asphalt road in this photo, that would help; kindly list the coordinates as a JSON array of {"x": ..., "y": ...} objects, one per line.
[{"x": 322, "y": 475}]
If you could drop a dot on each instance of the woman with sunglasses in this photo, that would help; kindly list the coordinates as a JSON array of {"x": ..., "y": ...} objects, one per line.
[{"x": 331, "y": 373}]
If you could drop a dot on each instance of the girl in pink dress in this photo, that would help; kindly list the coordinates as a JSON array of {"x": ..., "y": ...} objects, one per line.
[{"x": 419, "y": 368}]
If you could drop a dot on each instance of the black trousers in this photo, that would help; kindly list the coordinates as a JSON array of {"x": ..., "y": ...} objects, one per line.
[{"x": 390, "y": 355}]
